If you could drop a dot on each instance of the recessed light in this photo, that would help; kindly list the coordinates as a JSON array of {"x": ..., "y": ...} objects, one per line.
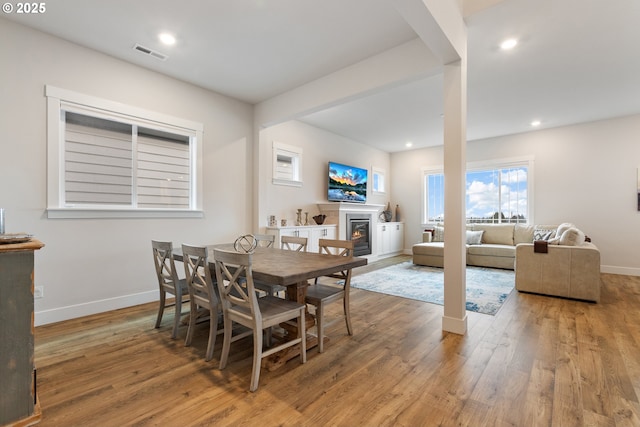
[
  {"x": 508, "y": 44},
  {"x": 536, "y": 123},
  {"x": 408, "y": 144},
  {"x": 167, "y": 39}
]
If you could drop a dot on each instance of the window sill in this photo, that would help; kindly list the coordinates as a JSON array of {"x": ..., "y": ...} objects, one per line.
[
  {"x": 66, "y": 213},
  {"x": 290, "y": 183}
]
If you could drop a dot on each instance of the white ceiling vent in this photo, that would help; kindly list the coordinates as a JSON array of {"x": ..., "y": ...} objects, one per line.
[{"x": 150, "y": 52}]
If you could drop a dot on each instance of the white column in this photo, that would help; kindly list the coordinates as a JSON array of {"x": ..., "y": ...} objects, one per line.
[
  {"x": 440, "y": 26},
  {"x": 455, "y": 117}
]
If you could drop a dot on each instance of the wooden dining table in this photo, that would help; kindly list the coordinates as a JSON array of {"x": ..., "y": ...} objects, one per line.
[{"x": 292, "y": 270}]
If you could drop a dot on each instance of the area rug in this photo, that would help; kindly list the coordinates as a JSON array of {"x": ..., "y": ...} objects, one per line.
[{"x": 487, "y": 288}]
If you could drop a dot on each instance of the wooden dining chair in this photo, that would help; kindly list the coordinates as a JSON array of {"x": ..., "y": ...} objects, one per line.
[
  {"x": 290, "y": 243},
  {"x": 240, "y": 304},
  {"x": 320, "y": 294},
  {"x": 293, "y": 243},
  {"x": 168, "y": 282},
  {"x": 265, "y": 240},
  {"x": 203, "y": 293}
]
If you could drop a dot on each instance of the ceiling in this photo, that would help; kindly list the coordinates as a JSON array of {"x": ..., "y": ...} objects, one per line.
[{"x": 576, "y": 60}]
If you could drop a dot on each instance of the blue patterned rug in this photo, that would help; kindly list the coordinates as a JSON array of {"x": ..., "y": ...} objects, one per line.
[{"x": 487, "y": 288}]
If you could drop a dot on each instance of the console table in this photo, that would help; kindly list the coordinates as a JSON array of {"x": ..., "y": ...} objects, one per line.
[{"x": 18, "y": 402}]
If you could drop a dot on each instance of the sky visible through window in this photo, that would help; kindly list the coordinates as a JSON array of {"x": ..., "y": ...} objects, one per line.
[{"x": 498, "y": 195}]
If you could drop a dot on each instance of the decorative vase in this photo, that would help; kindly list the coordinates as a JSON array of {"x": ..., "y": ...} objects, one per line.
[
  {"x": 306, "y": 218},
  {"x": 397, "y": 213},
  {"x": 388, "y": 215},
  {"x": 299, "y": 217},
  {"x": 319, "y": 219}
]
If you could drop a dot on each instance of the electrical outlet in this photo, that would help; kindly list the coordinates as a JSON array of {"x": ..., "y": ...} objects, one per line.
[{"x": 38, "y": 292}]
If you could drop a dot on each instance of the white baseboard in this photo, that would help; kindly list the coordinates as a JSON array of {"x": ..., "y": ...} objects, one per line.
[
  {"x": 626, "y": 271},
  {"x": 45, "y": 317},
  {"x": 456, "y": 326}
]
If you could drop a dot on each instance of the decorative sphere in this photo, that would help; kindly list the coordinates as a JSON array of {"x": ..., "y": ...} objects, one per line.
[{"x": 246, "y": 244}]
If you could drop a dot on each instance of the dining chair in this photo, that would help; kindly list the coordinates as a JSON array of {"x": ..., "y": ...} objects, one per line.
[
  {"x": 168, "y": 282},
  {"x": 265, "y": 240},
  {"x": 240, "y": 304},
  {"x": 203, "y": 293},
  {"x": 320, "y": 294},
  {"x": 293, "y": 243}
]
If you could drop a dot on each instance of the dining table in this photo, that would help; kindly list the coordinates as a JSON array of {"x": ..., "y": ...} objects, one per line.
[{"x": 293, "y": 270}]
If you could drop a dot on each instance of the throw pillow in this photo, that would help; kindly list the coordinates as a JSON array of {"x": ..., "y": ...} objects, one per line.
[
  {"x": 541, "y": 234},
  {"x": 572, "y": 237},
  {"x": 559, "y": 232},
  {"x": 438, "y": 234},
  {"x": 474, "y": 237}
]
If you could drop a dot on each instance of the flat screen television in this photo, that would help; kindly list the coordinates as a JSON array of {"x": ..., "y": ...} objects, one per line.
[{"x": 347, "y": 183}]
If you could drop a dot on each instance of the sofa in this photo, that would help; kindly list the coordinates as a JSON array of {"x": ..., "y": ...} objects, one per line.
[
  {"x": 563, "y": 271},
  {"x": 566, "y": 265},
  {"x": 488, "y": 245}
]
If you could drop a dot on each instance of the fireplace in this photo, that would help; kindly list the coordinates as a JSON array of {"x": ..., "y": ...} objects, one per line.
[
  {"x": 359, "y": 231},
  {"x": 341, "y": 213}
]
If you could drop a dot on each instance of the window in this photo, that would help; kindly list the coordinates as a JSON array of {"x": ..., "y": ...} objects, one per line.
[
  {"x": 435, "y": 197},
  {"x": 108, "y": 160},
  {"x": 378, "y": 180},
  {"x": 495, "y": 193},
  {"x": 287, "y": 164}
]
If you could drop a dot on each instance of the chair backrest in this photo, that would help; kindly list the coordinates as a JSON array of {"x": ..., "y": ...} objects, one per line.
[
  {"x": 235, "y": 283},
  {"x": 265, "y": 240},
  {"x": 202, "y": 290},
  {"x": 293, "y": 243},
  {"x": 165, "y": 265},
  {"x": 336, "y": 247}
]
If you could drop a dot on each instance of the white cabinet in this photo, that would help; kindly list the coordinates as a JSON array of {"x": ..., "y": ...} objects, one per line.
[
  {"x": 390, "y": 238},
  {"x": 313, "y": 233}
]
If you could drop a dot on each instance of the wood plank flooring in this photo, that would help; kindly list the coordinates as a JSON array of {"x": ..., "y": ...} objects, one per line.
[{"x": 540, "y": 361}]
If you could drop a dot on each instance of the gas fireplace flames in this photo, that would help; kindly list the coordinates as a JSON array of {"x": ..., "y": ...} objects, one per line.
[{"x": 359, "y": 230}]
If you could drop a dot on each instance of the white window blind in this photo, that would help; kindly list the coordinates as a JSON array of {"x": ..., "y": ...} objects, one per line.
[
  {"x": 98, "y": 161},
  {"x": 99, "y": 164},
  {"x": 163, "y": 170}
]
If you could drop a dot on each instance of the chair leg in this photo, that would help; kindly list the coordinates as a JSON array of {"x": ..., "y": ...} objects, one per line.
[
  {"x": 268, "y": 336},
  {"x": 302, "y": 333},
  {"x": 226, "y": 342},
  {"x": 176, "y": 320},
  {"x": 213, "y": 332},
  {"x": 161, "y": 308},
  {"x": 192, "y": 323},
  {"x": 320, "y": 325},
  {"x": 257, "y": 358},
  {"x": 347, "y": 313}
]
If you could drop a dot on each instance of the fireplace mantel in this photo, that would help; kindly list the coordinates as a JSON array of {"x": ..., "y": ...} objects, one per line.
[{"x": 336, "y": 213}]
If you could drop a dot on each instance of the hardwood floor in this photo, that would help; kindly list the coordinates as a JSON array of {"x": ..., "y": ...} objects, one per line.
[{"x": 540, "y": 361}]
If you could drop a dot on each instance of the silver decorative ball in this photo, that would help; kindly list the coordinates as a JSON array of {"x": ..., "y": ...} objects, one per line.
[{"x": 246, "y": 244}]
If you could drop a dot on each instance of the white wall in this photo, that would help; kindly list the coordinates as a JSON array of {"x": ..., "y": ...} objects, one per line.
[
  {"x": 585, "y": 174},
  {"x": 319, "y": 147},
  {"x": 89, "y": 266}
]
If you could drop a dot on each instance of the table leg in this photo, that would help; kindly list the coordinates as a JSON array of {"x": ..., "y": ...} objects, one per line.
[{"x": 296, "y": 292}]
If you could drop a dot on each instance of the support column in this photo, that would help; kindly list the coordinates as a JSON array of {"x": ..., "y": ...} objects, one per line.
[
  {"x": 455, "y": 117},
  {"x": 440, "y": 25}
]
